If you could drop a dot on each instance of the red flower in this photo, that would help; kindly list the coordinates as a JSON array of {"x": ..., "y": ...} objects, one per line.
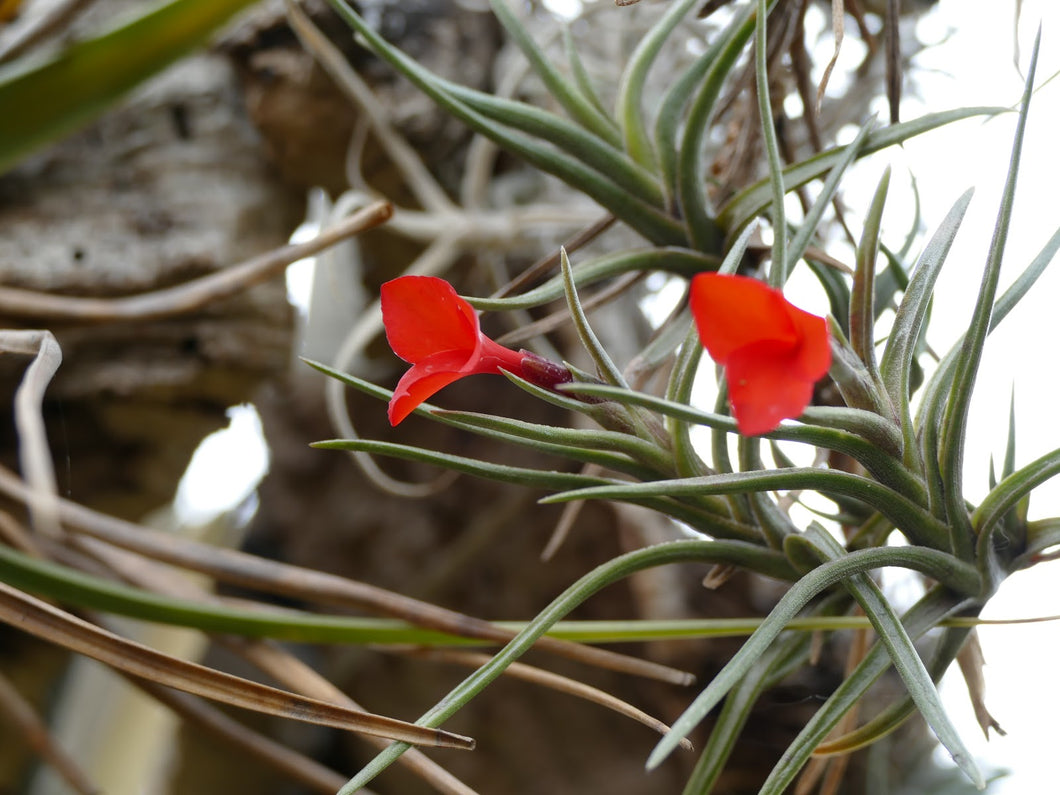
[
  {"x": 437, "y": 332},
  {"x": 772, "y": 352}
]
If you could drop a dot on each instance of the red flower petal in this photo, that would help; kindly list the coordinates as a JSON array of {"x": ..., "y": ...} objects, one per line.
[
  {"x": 423, "y": 380},
  {"x": 813, "y": 356},
  {"x": 764, "y": 389},
  {"x": 734, "y": 311},
  {"x": 423, "y": 315},
  {"x": 773, "y": 352}
]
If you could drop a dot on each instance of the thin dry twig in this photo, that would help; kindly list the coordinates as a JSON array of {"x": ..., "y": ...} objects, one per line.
[
  {"x": 39, "y": 26},
  {"x": 423, "y": 185},
  {"x": 283, "y": 667},
  {"x": 191, "y": 295},
  {"x": 63, "y": 629},
  {"x": 290, "y": 763},
  {"x": 553, "y": 681},
  {"x": 838, "y": 29},
  {"x": 241, "y": 568},
  {"x": 295, "y": 675},
  {"x": 34, "y": 455},
  {"x": 34, "y": 732}
]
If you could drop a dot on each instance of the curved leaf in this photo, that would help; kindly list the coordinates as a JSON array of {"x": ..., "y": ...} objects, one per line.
[
  {"x": 45, "y": 100},
  {"x": 797, "y": 597}
]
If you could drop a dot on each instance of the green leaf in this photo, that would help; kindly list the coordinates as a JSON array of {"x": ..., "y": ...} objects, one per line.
[
  {"x": 45, "y": 99},
  {"x": 778, "y": 272},
  {"x": 911, "y": 519},
  {"x": 753, "y": 200},
  {"x": 88, "y": 591},
  {"x": 801, "y": 239},
  {"x": 580, "y": 108},
  {"x": 898, "y": 355},
  {"x": 620, "y": 448},
  {"x": 669, "y": 259},
  {"x": 682, "y": 379},
  {"x": 780, "y": 660},
  {"x": 524, "y": 476},
  {"x": 690, "y": 173},
  {"x": 581, "y": 76},
  {"x": 863, "y": 293},
  {"x": 650, "y": 221},
  {"x": 630, "y": 105},
  {"x": 604, "y": 365},
  {"x": 951, "y": 454},
  {"x": 797, "y": 597},
  {"x": 585, "y": 147},
  {"x": 926, "y": 614},
  {"x": 903, "y": 654},
  {"x": 898, "y": 712},
  {"x": 864, "y": 436},
  {"x": 1007, "y": 495},
  {"x": 671, "y": 109},
  {"x": 605, "y": 574}
]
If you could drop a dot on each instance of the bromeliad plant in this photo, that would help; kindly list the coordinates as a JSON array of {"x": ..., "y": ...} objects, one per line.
[{"x": 895, "y": 439}]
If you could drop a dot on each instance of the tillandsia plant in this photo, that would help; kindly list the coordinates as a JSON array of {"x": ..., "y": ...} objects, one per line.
[{"x": 891, "y": 434}]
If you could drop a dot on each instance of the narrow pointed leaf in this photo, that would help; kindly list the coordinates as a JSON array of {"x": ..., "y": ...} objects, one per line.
[
  {"x": 908, "y": 517},
  {"x": 580, "y": 108},
  {"x": 668, "y": 259},
  {"x": 652, "y": 222},
  {"x": 630, "y": 105},
  {"x": 750, "y": 202},
  {"x": 927, "y": 613},
  {"x": 951, "y": 455},
  {"x": 897, "y": 361},
  {"x": 863, "y": 294},
  {"x": 903, "y": 655},
  {"x": 605, "y": 574},
  {"x": 797, "y": 597}
]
